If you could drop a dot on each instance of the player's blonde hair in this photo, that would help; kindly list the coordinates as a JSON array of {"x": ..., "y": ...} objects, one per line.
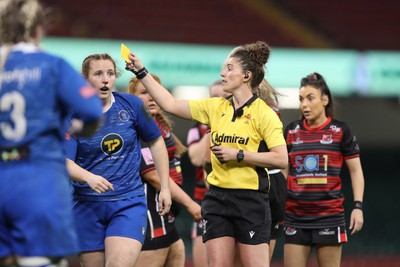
[
  {"x": 18, "y": 22},
  {"x": 19, "y": 19}
]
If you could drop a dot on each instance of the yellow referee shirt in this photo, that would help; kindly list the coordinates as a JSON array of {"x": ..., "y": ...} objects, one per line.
[{"x": 257, "y": 130}]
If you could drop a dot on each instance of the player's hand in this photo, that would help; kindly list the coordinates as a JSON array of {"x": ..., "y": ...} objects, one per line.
[
  {"x": 194, "y": 209},
  {"x": 164, "y": 201},
  {"x": 224, "y": 154},
  {"x": 99, "y": 184},
  {"x": 356, "y": 221}
]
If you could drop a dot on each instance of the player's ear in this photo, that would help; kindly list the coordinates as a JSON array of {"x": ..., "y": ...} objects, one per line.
[{"x": 325, "y": 100}]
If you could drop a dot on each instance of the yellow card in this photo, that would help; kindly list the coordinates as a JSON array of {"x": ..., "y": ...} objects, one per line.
[{"x": 125, "y": 52}]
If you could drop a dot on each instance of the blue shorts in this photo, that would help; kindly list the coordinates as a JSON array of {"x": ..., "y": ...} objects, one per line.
[
  {"x": 36, "y": 210},
  {"x": 97, "y": 220}
]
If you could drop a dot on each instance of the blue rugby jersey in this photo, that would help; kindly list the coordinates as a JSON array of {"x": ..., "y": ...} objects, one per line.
[
  {"x": 37, "y": 91},
  {"x": 114, "y": 150}
]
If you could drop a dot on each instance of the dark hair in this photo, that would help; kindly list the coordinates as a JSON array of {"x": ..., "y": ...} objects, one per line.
[
  {"x": 19, "y": 19},
  {"x": 90, "y": 58},
  {"x": 317, "y": 81},
  {"x": 253, "y": 58}
]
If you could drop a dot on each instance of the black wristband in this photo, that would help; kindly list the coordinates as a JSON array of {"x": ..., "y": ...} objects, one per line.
[
  {"x": 140, "y": 74},
  {"x": 358, "y": 205}
]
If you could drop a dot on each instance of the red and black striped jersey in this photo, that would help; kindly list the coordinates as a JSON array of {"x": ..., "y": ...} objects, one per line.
[
  {"x": 195, "y": 133},
  {"x": 159, "y": 225},
  {"x": 175, "y": 171},
  {"x": 316, "y": 155},
  {"x": 147, "y": 163}
]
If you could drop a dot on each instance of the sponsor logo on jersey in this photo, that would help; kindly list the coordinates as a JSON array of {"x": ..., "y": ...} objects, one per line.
[
  {"x": 298, "y": 141},
  {"x": 10, "y": 155},
  {"x": 112, "y": 144},
  {"x": 310, "y": 163},
  {"x": 218, "y": 139},
  {"x": 335, "y": 129},
  {"x": 22, "y": 76}
]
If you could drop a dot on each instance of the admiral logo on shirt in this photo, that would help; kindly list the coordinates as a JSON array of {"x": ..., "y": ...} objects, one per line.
[
  {"x": 218, "y": 139},
  {"x": 112, "y": 144}
]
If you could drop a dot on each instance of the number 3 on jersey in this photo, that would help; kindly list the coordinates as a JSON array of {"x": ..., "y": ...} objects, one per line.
[{"x": 13, "y": 103}]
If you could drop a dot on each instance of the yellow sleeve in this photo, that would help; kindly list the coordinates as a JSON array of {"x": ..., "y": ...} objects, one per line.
[
  {"x": 203, "y": 109},
  {"x": 272, "y": 130}
]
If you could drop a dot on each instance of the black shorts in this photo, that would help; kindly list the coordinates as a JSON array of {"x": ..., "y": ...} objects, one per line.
[
  {"x": 277, "y": 203},
  {"x": 161, "y": 230},
  {"x": 162, "y": 241},
  {"x": 311, "y": 237},
  {"x": 239, "y": 213}
]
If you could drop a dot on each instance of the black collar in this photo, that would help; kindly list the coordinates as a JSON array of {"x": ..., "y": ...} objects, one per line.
[{"x": 237, "y": 113}]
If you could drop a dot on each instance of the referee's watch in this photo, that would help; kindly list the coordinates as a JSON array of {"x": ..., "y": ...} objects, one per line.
[{"x": 240, "y": 155}]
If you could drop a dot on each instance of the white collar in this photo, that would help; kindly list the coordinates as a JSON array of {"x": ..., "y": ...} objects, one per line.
[
  {"x": 25, "y": 47},
  {"x": 112, "y": 102}
]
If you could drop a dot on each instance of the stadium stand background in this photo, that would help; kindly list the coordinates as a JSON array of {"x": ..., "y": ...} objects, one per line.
[{"x": 356, "y": 25}]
